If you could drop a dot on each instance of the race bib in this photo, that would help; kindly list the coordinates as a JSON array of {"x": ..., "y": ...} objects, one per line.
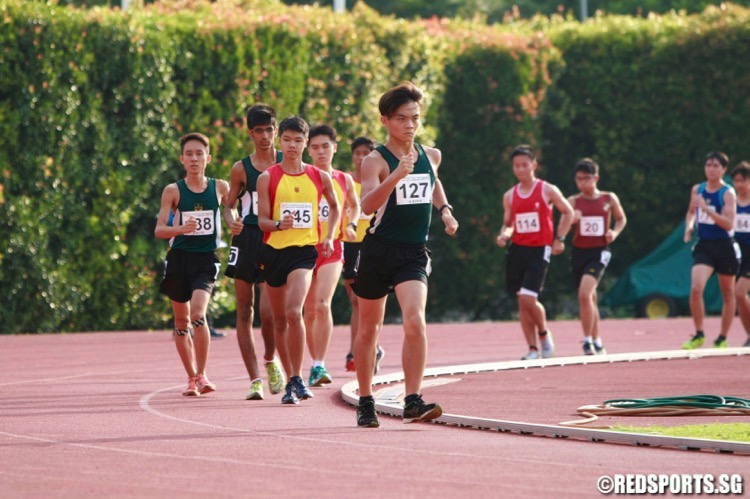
[
  {"x": 302, "y": 214},
  {"x": 323, "y": 210},
  {"x": 414, "y": 189},
  {"x": 703, "y": 217},
  {"x": 527, "y": 223},
  {"x": 254, "y": 201},
  {"x": 205, "y": 219},
  {"x": 591, "y": 226},
  {"x": 742, "y": 222}
]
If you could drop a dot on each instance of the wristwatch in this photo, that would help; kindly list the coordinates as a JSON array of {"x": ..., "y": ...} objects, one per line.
[
  {"x": 278, "y": 224},
  {"x": 440, "y": 210},
  {"x": 354, "y": 226},
  {"x": 560, "y": 238}
]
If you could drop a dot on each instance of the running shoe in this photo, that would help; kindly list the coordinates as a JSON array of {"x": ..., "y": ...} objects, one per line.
[
  {"x": 694, "y": 342},
  {"x": 600, "y": 350},
  {"x": 203, "y": 385},
  {"x": 256, "y": 391},
  {"x": 721, "y": 342},
  {"x": 366, "y": 416},
  {"x": 276, "y": 376},
  {"x": 191, "y": 390},
  {"x": 289, "y": 397},
  {"x": 747, "y": 343},
  {"x": 588, "y": 348},
  {"x": 548, "y": 345},
  {"x": 416, "y": 410},
  {"x": 349, "y": 362},
  {"x": 379, "y": 354},
  {"x": 318, "y": 376},
  {"x": 299, "y": 388},
  {"x": 216, "y": 334},
  {"x": 532, "y": 355}
]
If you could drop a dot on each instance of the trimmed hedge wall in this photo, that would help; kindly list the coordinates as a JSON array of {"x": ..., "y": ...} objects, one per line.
[{"x": 92, "y": 103}]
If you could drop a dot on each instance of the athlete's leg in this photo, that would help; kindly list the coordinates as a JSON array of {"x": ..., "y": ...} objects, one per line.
[
  {"x": 201, "y": 333},
  {"x": 184, "y": 342},
  {"x": 266, "y": 324},
  {"x": 277, "y": 298},
  {"x": 371, "y": 314},
  {"x": 698, "y": 277},
  {"x": 325, "y": 282},
  {"x": 743, "y": 303},
  {"x": 354, "y": 319},
  {"x": 245, "y": 295},
  {"x": 729, "y": 303},
  {"x": 412, "y": 299},
  {"x": 297, "y": 286},
  {"x": 587, "y": 304}
]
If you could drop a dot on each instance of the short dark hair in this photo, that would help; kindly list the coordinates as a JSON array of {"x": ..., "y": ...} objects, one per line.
[
  {"x": 295, "y": 124},
  {"x": 523, "y": 150},
  {"x": 401, "y": 94},
  {"x": 587, "y": 165},
  {"x": 260, "y": 114},
  {"x": 363, "y": 141},
  {"x": 742, "y": 168},
  {"x": 718, "y": 156},
  {"x": 194, "y": 136},
  {"x": 326, "y": 130}
]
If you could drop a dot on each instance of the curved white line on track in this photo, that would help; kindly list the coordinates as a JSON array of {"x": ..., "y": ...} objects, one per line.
[{"x": 146, "y": 406}]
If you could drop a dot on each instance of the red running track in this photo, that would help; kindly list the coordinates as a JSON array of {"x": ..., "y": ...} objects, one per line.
[{"x": 100, "y": 414}]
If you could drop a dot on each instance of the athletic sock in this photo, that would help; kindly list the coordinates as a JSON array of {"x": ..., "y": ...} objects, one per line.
[
  {"x": 699, "y": 334},
  {"x": 317, "y": 363},
  {"x": 588, "y": 339},
  {"x": 543, "y": 333},
  {"x": 598, "y": 342}
]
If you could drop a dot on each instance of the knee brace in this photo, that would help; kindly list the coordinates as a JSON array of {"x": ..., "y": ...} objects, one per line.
[{"x": 199, "y": 322}]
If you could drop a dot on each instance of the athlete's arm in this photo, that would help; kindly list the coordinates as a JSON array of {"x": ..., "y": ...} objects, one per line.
[
  {"x": 566, "y": 217},
  {"x": 230, "y": 214},
  {"x": 725, "y": 219},
  {"x": 576, "y": 213},
  {"x": 170, "y": 198},
  {"x": 506, "y": 231},
  {"x": 352, "y": 205},
  {"x": 439, "y": 198},
  {"x": 620, "y": 219},
  {"x": 377, "y": 183},
  {"x": 690, "y": 215},
  {"x": 334, "y": 213},
  {"x": 237, "y": 182},
  {"x": 265, "y": 210}
]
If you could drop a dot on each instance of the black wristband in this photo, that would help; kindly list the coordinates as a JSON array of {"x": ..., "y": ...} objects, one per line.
[
  {"x": 353, "y": 225},
  {"x": 440, "y": 210}
]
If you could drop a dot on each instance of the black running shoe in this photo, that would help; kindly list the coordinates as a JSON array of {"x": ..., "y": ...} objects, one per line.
[
  {"x": 289, "y": 397},
  {"x": 588, "y": 348},
  {"x": 366, "y": 417},
  {"x": 299, "y": 388},
  {"x": 416, "y": 410}
]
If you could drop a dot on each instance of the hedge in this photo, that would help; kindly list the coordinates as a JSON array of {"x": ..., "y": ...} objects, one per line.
[{"x": 92, "y": 103}]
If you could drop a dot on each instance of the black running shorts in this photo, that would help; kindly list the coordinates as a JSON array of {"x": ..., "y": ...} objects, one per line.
[
  {"x": 383, "y": 265},
  {"x": 243, "y": 255},
  {"x": 185, "y": 272},
  {"x": 723, "y": 255},
  {"x": 277, "y": 264},
  {"x": 588, "y": 261},
  {"x": 526, "y": 267}
]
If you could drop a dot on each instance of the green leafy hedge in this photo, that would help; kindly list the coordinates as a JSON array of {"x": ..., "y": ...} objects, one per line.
[{"x": 92, "y": 103}]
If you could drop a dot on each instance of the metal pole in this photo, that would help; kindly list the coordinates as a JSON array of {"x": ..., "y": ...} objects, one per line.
[
  {"x": 339, "y": 6},
  {"x": 124, "y": 4},
  {"x": 584, "y": 10}
]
